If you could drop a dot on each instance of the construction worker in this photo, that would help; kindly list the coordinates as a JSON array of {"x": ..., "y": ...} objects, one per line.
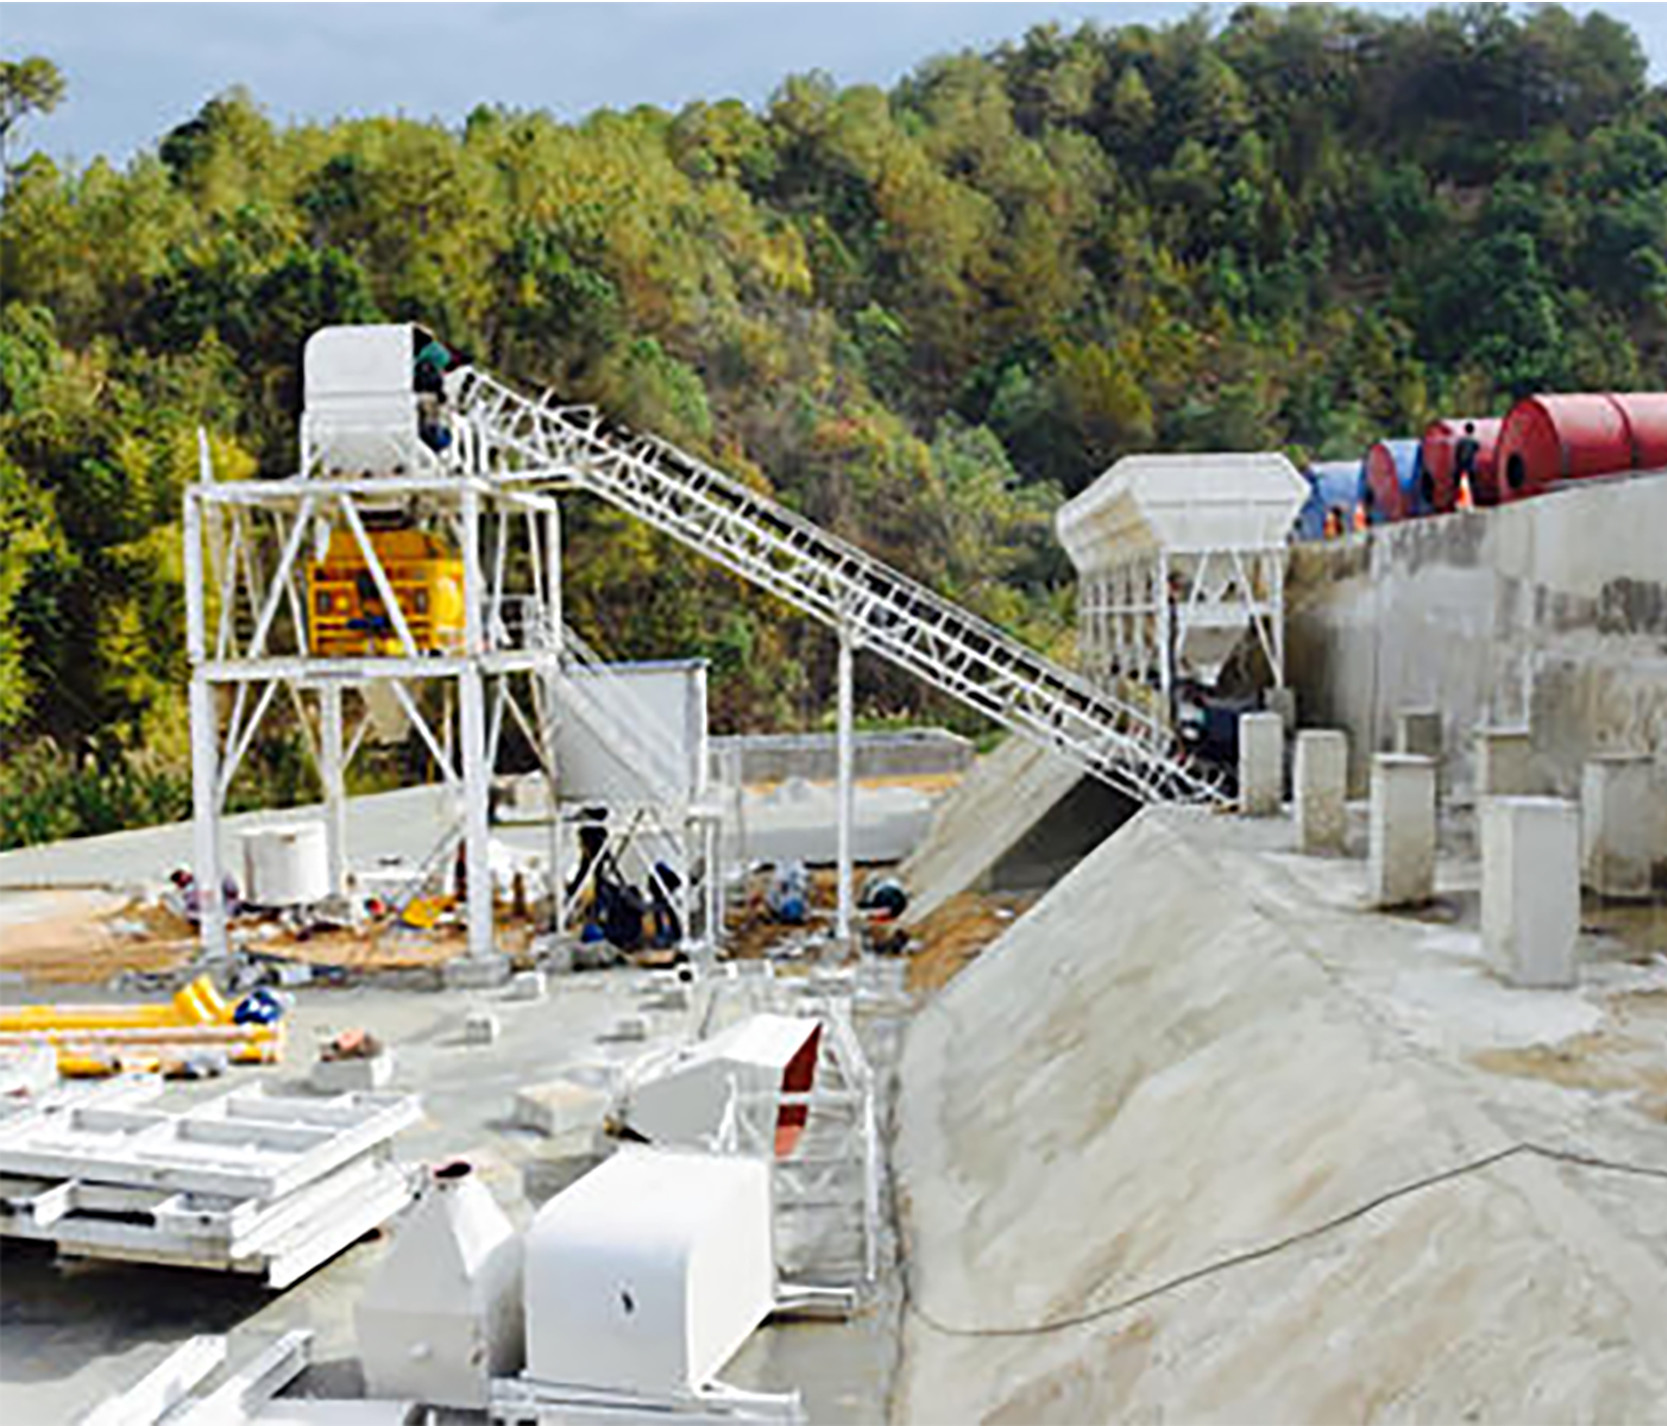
[
  {"x": 1465, "y": 451},
  {"x": 1360, "y": 517}
]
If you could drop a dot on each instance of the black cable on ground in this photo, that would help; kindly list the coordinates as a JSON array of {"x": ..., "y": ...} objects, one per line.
[{"x": 1269, "y": 1250}]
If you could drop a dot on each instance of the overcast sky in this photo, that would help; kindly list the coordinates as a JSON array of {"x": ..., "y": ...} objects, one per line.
[{"x": 135, "y": 71}]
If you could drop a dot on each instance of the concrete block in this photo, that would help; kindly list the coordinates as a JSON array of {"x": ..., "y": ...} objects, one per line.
[
  {"x": 1504, "y": 762},
  {"x": 1620, "y": 825},
  {"x": 480, "y": 1027},
  {"x": 1283, "y": 701},
  {"x": 1531, "y": 888},
  {"x": 1261, "y": 764},
  {"x": 475, "y": 972},
  {"x": 1321, "y": 789},
  {"x": 352, "y": 1075},
  {"x": 1400, "y": 859},
  {"x": 526, "y": 985},
  {"x": 560, "y": 1107},
  {"x": 1418, "y": 731},
  {"x": 630, "y": 1027}
]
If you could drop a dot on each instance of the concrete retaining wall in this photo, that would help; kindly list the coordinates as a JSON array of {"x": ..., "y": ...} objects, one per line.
[
  {"x": 775, "y": 757},
  {"x": 1551, "y": 612}
]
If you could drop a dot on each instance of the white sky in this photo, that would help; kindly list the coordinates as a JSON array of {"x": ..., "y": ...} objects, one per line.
[{"x": 135, "y": 71}]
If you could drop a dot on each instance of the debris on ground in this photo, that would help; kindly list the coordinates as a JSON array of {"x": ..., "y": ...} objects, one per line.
[{"x": 955, "y": 935}]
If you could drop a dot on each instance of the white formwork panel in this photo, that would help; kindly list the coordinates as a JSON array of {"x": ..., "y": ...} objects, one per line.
[{"x": 243, "y": 1144}]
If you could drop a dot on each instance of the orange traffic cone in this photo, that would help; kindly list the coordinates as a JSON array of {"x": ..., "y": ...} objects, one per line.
[{"x": 1466, "y": 500}]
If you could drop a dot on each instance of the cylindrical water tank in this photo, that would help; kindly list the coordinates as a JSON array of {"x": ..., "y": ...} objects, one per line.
[
  {"x": 1646, "y": 417},
  {"x": 286, "y": 864},
  {"x": 1389, "y": 481},
  {"x": 1438, "y": 480},
  {"x": 1551, "y": 438}
]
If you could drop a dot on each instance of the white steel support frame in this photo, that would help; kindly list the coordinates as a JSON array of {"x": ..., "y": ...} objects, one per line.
[
  {"x": 1133, "y": 618},
  {"x": 246, "y": 548}
]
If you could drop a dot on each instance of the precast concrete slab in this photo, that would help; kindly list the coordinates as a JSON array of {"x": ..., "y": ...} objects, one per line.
[{"x": 1201, "y": 1140}]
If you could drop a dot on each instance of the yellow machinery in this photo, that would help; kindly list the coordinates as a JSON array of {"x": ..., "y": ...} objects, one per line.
[
  {"x": 102, "y": 1039},
  {"x": 347, "y": 613}
]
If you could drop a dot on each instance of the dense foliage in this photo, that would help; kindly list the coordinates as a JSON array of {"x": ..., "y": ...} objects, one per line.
[{"x": 919, "y": 315}]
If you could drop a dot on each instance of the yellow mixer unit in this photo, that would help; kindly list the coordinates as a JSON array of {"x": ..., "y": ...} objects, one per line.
[{"x": 348, "y": 616}]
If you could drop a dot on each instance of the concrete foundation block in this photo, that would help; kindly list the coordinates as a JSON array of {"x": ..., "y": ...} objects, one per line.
[
  {"x": 1620, "y": 825},
  {"x": 1418, "y": 732},
  {"x": 1400, "y": 859},
  {"x": 475, "y": 972},
  {"x": 1261, "y": 764},
  {"x": 1504, "y": 762},
  {"x": 1531, "y": 888},
  {"x": 560, "y": 1107},
  {"x": 526, "y": 985},
  {"x": 1283, "y": 701},
  {"x": 352, "y": 1075},
  {"x": 1321, "y": 790},
  {"x": 480, "y": 1027}
]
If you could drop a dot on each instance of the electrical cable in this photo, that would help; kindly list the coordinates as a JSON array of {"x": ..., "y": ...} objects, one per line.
[{"x": 1268, "y": 1250}]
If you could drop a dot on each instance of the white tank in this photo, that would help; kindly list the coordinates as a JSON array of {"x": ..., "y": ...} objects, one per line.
[
  {"x": 286, "y": 865},
  {"x": 443, "y": 1315}
]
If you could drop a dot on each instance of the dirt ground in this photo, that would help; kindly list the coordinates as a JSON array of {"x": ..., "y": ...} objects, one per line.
[{"x": 955, "y": 935}]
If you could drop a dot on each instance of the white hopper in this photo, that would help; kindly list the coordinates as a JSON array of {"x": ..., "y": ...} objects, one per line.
[{"x": 1203, "y": 525}]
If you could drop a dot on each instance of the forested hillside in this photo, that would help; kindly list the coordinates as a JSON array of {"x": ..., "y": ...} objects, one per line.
[{"x": 921, "y": 316}]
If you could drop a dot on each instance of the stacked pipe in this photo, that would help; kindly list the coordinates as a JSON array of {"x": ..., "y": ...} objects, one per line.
[{"x": 1547, "y": 439}]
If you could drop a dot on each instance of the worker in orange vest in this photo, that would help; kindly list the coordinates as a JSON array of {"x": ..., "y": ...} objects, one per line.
[{"x": 1360, "y": 517}]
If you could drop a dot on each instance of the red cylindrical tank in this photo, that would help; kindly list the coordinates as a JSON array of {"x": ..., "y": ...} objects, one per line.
[
  {"x": 1390, "y": 492},
  {"x": 1441, "y": 438},
  {"x": 1549, "y": 438},
  {"x": 1646, "y": 415}
]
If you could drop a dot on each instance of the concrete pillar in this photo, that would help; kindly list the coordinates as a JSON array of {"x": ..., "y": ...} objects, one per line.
[
  {"x": 1400, "y": 859},
  {"x": 1283, "y": 701},
  {"x": 1321, "y": 785},
  {"x": 1531, "y": 888},
  {"x": 1418, "y": 731},
  {"x": 1619, "y": 825},
  {"x": 1504, "y": 762},
  {"x": 1261, "y": 764}
]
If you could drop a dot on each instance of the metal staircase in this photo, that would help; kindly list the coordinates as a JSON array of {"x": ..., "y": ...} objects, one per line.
[{"x": 538, "y": 442}]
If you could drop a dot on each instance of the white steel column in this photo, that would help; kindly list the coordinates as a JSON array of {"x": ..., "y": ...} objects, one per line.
[
  {"x": 477, "y": 853},
  {"x": 477, "y": 847},
  {"x": 205, "y": 814},
  {"x": 333, "y": 774},
  {"x": 842, "y": 928}
]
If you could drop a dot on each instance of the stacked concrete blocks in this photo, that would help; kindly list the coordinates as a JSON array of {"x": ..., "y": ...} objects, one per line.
[
  {"x": 1531, "y": 888},
  {"x": 1321, "y": 784},
  {"x": 1400, "y": 859},
  {"x": 1620, "y": 825},
  {"x": 1261, "y": 764}
]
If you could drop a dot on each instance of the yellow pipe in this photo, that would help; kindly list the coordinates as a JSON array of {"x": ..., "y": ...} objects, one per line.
[{"x": 197, "y": 1004}]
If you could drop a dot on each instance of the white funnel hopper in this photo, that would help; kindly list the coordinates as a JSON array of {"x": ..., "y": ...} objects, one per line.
[{"x": 443, "y": 1315}]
